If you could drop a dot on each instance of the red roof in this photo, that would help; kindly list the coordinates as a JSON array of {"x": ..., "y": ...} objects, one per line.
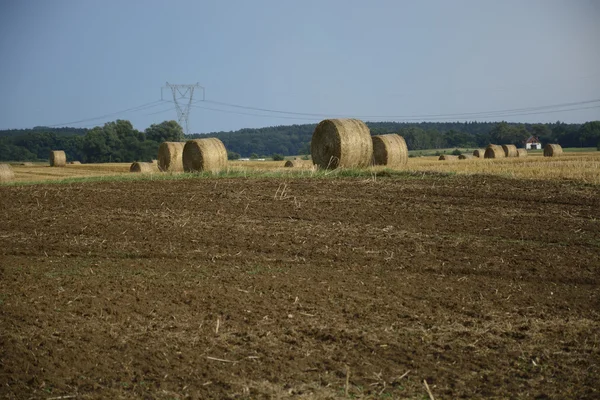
[{"x": 532, "y": 139}]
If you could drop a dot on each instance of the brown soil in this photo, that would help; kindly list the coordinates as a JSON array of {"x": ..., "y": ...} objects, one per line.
[{"x": 483, "y": 287}]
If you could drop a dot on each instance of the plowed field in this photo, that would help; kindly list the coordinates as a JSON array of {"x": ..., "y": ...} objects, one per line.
[{"x": 317, "y": 288}]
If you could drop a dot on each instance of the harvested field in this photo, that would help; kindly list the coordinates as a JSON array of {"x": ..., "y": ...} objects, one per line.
[{"x": 275, "y": 288}]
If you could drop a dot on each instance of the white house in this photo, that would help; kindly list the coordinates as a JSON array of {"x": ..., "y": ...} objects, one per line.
[{"x": 533, "y": 143}]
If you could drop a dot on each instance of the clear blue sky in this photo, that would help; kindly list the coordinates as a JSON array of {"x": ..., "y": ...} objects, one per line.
[{"x": 69, "y": 60}]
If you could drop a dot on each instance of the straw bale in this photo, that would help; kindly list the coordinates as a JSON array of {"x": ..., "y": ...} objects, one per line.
[
  {"x": 170, "y": 156},
  {"x": 389, "y": 150},
  {"x": 479, "y": 153},
  {"x": 204, "y": 155},
  {"x": 553, "y": 150},
  {"x": 295, "y": 163},
  {"x": 142, "y": 167},
  {"x": 448, "y": 157},
  {"x": 494, "y": 151},
  {"x": 6, "y": 173},
  {"x": 58, "y": 158},
  {"x": 510, "y": 150},
  {"x": 466, "y": 157},
  {"x": 521, "y": 152},
  {"x": 341, "y": 143}
]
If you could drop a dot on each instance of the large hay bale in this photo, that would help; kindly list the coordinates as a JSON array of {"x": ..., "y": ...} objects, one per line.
[
  {"x": 466, "y": 157},
  {"x": 448, "y": 157},
  {"x": 58, "y": 158},
  {"x": 341, "y": 143},
  {"x": 510, "y": 150},
  {"x": 389, "y": 150},
  {"x": 142, "y": 167},
  {"x": 521, "y": 152},
  {"x": 553, "y": 150},
  {"x": 479, "y": 153},
  {"x": 494, "y": 151},
  {"x": 6, "y": 173},
  {"x": 298, "y": 164},
  {"x": 204, "y": 155},
  {"x": 170, "y": 156}
]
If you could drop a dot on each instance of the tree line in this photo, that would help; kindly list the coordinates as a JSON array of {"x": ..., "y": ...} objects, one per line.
[{"x": 119, "y": 141}]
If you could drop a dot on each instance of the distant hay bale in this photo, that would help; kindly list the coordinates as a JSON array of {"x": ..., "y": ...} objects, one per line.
[
  {"x": 6, "y": 173},
  {"x": 295, "y": 163},
  {"x": 142, "y": 167},
  {"x": 448, "y": 157},
  {"x": 389, "y": 150},
  {"x": 510, "y": 150},
  {"x": 479, "y": 153},
  {"x": 170, "y": 156},
  {"x": 521, "y": 152},
  {"x": 466, "y": 157},
  {"x": 27, "y": 164},
  {"x": 204, "y": 155},
  {"x": 553, "y": 150},
  {"x": 75, "y": 162},
  {"x": 58, "y": 158},
  {"x": 494, "y": 151},
  {"x": 341, "y": 143}
]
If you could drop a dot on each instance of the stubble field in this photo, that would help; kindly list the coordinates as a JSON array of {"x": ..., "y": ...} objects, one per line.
[{"x": 482, "y": 286}]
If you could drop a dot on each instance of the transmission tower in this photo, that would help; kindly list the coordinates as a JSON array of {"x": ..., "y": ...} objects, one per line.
[{"x": 182, "y": 97}]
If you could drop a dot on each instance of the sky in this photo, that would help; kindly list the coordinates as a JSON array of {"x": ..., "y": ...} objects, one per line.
[{"x": 83, "y": 63}]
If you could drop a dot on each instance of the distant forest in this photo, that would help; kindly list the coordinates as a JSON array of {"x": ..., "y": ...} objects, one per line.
[{"x": 118, "y": 141}]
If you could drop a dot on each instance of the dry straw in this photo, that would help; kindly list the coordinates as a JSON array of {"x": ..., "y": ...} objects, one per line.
[
  {"x": 58, "y": 158},
  {"x": 6, "y": 173},
  {"x": 154, "y": 161},
  {"x": 521, "y": 153},
  {"x": 142, "y": 167},
  {"x": 389, "y": 150},
  {"x": 170, "y": 156},
  {"x": 553, "y": 150},
  {"x": 448, "y": 157},
  {"x": 494, "y": 151},
  {"x": 341, "y": 143},
  {"x": 479, "y": 153},
  {"x": 466, "y": 157},
  {"x": 204, "y": 155},
  {"x": 75, "y": 162},
  {"x": 510, "y": 150}
]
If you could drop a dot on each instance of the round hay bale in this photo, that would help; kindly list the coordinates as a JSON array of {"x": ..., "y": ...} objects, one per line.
[
  {"x": 553, "y": 150},
  {"x": 494, "y": 151},
  {"x": 204, "y": 155},
  {"x": 170, "y": 156},
  {"x": 341, "y": 143},
  {"x": 389, "y": 150},
  {"x": 6, "y": 173},
  {"x": 448, "y": 157},
  {"x": 479, "y": 153},
  {"x": 466, "y": 157},
  {"x": 510, "y": 150},
  {"x": 521, "y": 152},
  {"x": 295, "y": 163},
  {"x": 75, "y": 162},
  {"x": 58, "y": 158},
  {"x": 142, "y": 167}
]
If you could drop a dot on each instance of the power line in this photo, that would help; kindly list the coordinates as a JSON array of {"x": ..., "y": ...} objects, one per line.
[{"x": 132, "y": 109}]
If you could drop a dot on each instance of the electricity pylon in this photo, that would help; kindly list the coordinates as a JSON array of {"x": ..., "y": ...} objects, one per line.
[{"x": 182, "y": 97}]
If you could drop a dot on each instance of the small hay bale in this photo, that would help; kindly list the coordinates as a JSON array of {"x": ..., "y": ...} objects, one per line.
[
  {"x": 478, "y": 153},
  {"x": 6, "y": 173},
  {"x": 510, "y": 150},
  {"x": 58, "y": 158},
  {"x": 521, "y": 152},
  {"x": 494, "y": 151},
  {"x": 466, "y": 157},
  {"x": 553, "y": 150},
  {"x": 448, "y": 157},
  {"x": 170, "y": 156},
  {"x": 389, "y": 150},
  {"x": 295, "y": 163},
  {"x": 142, "y": 167},
  {"x": 341, "y": 143},
  {"x": 75, "y": 162},
  {"x": 204, "y": 155}
]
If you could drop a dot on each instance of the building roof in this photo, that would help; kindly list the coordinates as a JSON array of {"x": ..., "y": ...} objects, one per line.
[{"x": 532, "y": 139}]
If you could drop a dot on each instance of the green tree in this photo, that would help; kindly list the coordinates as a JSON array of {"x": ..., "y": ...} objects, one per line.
[
  {"x": 232, "y": 155},
  {"x": 277, "y": 157},
  {"x": 167, "y": 131}
]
